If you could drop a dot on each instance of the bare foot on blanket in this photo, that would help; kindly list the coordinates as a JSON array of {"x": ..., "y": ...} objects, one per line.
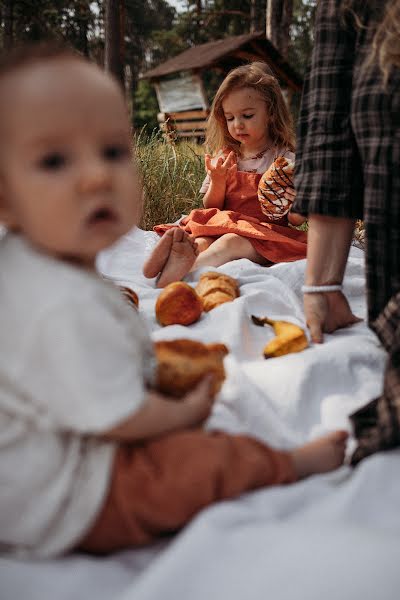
[
  {"x": 172, "y": 258},
  {"x": 321, "y": 455}
]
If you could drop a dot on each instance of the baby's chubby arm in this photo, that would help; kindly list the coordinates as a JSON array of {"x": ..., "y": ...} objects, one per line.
[
  {"x": 218, "y": 173},
  {"x": 160, "y": 414}
]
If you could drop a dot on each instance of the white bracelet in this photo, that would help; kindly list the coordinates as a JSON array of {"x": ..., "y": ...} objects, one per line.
[{"x": 315, "y": 289}]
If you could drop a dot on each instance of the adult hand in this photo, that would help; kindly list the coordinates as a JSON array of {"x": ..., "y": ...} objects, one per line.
[
  {"x": 220, "y": 170},
  {"x": 326, "y": 312}
]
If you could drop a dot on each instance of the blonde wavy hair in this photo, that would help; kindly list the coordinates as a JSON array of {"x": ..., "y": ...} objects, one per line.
[
  {"x": 386, "y": 41},
  {"x": 256, "y": 75}
]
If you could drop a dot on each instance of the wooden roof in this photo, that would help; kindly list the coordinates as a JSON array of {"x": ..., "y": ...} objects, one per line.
[{"x": 242, "y": 48}]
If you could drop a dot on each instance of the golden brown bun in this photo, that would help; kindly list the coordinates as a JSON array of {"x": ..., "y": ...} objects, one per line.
[
  {"x": 183, "y": 363},
  {"x": 272, "y": 187},
  {"x": 129, "y": 295},
  {"x": 216, "y": 288},
  {"x": 178, "y": 304}
]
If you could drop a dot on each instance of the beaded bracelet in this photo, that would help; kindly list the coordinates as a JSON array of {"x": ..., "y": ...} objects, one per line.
[{"x": 316, "y": 289}]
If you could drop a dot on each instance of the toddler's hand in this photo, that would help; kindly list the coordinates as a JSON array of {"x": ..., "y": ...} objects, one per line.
[
  {"x": 198, "y": 402},
  {"x": 218, "y": 173}
]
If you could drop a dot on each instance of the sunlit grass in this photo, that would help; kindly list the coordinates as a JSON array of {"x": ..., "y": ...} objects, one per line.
[{"x": 172, "y": 176}]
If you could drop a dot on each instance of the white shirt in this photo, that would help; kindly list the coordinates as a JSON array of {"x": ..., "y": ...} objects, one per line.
[{"x": 72, "y": 362}]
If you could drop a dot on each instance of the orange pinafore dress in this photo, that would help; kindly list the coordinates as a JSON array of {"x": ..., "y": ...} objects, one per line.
[{"x": 242, "y": 214}]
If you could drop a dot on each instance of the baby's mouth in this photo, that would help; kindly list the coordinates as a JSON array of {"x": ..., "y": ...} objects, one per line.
[{"x": 102, "y": 215}]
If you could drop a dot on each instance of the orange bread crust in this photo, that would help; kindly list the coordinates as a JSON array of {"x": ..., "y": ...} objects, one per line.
[
  {"x": 216, "y": 288},
  {"x": 182, "y": 363},
  {"x": 178, "y": 304}
]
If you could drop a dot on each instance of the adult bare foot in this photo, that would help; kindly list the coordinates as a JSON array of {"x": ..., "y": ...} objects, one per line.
[
  {"x": 178, "y": 262},
  {"x": 158, "y": 258},
  {"x": 321, "y": 455}
]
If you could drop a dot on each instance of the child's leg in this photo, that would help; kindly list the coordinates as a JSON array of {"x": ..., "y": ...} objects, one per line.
[
  {"x": 204, "y": 242},
  {"x": 175, "y": 255},
  {"x": 175, "y": 248},
  {"x": 158, "y": 486},
  {"x": 229, "y": 246}
]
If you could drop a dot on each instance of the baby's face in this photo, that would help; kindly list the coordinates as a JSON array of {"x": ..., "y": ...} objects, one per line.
[{"x": 67, "y": 181}]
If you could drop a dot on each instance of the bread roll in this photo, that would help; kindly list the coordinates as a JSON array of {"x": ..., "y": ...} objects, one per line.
[
  {"x": 216, "y": 288},
  {"x": 183, "y": 363},
  {"x": 178, "y": 304},
  {"x": 272, "y": 187}
]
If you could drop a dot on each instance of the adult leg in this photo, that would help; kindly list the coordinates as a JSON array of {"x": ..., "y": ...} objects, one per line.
[{"x": 158, "y": 486}]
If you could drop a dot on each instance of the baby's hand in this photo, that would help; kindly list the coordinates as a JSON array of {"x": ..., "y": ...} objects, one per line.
[
  {"x": 198, "y": 402},
  {"x": 218, "y": 173}
]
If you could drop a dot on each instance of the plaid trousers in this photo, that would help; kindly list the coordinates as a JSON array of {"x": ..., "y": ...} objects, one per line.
[{"x": 377, "y": 425}]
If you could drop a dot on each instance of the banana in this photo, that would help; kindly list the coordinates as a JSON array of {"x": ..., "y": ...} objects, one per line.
[{"x": 289, "y": 337}]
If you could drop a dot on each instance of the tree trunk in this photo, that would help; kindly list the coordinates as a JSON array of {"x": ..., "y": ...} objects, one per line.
[
  {"x": 278, "y": 20},
  {"x": 253, "y": 18},
  {"x": 83, "y": 24},
  {"x": 114, "y": 42},
  {"x": 8, "y": 12}
]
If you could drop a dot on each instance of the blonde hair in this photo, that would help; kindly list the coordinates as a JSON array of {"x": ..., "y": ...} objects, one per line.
[
  {"x": 256, "y": 75},
  {"x": 386, "y": 44},
  {"x": 386, "y": 41}
]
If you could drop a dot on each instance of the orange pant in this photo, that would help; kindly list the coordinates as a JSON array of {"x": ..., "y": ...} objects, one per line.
[{"x": 159, "y": 485}]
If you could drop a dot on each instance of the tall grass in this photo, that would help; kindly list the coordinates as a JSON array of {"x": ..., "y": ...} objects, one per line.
[{"x": 172, "y": 176}]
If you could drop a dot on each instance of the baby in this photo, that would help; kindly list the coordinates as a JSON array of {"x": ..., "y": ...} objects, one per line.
[{"x": 92, "y": 458}]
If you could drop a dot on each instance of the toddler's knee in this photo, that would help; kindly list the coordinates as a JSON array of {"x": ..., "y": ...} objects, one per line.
[
  {"x": 230, "y": 240},
  {"x": 203, "y": 243}
]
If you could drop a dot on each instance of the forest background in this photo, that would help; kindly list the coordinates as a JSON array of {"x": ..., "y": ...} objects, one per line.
[{"x": 129, "y": 37}]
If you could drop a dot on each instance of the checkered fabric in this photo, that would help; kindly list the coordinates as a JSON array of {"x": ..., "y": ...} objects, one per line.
[
  {"x": 348, "y": 152},
  {"x": 347, "y": 165},
  {"x": 377, "y": 425}
]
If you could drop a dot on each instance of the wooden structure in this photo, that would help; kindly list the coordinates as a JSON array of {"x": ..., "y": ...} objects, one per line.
[{"x": 179, "y": 81}]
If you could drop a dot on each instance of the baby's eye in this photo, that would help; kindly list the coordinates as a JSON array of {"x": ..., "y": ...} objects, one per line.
[
  {"x": 229, "y": 118},
  {"x": 53, "y": 161},
  {"x": 115, "y": 152},
  {"x": 248, "y": 116}
]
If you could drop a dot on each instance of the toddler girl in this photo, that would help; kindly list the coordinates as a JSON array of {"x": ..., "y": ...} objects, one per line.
[
  {"x": 91, "y": 457},
  {"x": 249, "y": 126}
]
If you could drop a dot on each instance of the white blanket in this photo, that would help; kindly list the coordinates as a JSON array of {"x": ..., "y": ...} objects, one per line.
[{"x": 327, "y": 537}]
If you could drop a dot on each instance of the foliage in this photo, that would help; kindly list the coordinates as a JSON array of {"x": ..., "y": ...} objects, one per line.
[
  {"x": 301, "y": 34},
  {"x": 154, "y": 32},
  {"x": 145, "y": 106},
  {"x": 217, "y": 19},
  {"x": 172, "y": 176}
]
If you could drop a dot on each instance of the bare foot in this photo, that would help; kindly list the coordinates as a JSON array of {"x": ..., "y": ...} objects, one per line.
[
  {"x": 173, "y": 259},
  {"x": 158, "y": 258},
  {"x": 321, "y": 455}
]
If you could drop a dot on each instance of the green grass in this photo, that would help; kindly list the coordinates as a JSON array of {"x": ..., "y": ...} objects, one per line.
[{"x": 172, "y": 175}]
